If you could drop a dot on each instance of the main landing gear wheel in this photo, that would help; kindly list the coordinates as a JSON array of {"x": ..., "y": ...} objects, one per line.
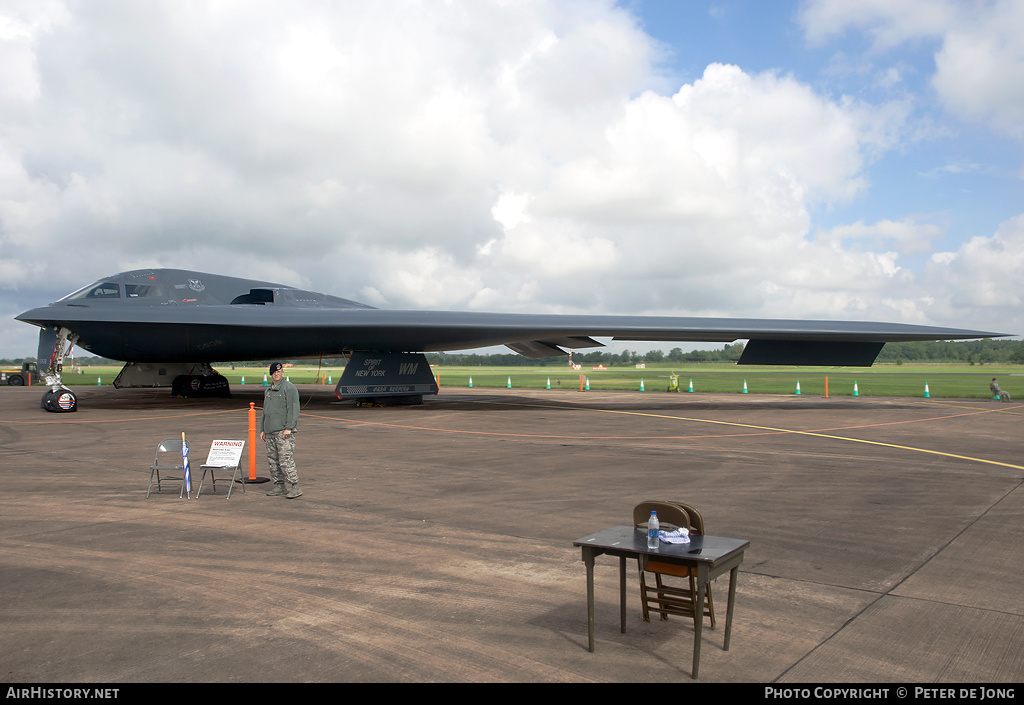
[{"x": 60, "y": 401}]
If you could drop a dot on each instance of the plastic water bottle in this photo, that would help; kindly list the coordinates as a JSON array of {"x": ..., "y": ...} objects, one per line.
[{"x": 652, "y": 530}]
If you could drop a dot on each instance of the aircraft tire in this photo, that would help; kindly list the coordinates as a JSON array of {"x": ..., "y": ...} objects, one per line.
[{"x": 62, "y": 401}]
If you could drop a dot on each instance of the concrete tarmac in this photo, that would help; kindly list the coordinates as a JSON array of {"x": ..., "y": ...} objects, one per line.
[{"x": 434, "y": 543}]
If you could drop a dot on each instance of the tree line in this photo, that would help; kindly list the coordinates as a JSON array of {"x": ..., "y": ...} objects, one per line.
[
  {"x": 730, "y": 353},
  {"x": 975, "y": 352}
]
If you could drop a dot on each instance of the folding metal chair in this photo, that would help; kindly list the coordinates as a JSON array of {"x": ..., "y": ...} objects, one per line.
[
  {"x": 664, "y": 597},
  {"x": 160, "y": 458},
  {"x": 212, "y": 469}
]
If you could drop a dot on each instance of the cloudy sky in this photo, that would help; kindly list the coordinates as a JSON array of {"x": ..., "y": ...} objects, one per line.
[{"x": 817, "y": 159}]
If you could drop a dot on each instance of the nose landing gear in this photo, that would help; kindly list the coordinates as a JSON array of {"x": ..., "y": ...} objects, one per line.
[{"x": 59, "y": 398}]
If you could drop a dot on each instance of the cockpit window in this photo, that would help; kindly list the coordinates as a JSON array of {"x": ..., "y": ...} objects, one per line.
[
  {"x": 106, "y": 290},
  {"x": 135, "y": 291}
]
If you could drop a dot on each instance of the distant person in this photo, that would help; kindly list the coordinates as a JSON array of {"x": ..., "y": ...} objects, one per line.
[
  {"x": 997, "y": 392},
  {"x": 277, "y": 429}
]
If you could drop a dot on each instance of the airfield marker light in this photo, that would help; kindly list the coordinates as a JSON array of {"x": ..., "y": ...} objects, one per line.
[
  {"x": 641, "y": 384},
  {"x": 588, "y": 384},
  {"x": 98, "y": 383},
  {"x": 925, "y": 390},
  {"x": 798, "y": 386},
  {"x": 264, "y": 379},
  {"x": 243, "y": 380},
  {"x": 855, "y": 393},
  {"x": 691, "y": 385},
  {"x": 471, "y": 382},
  {"x": 549, "y": 383},
  {"x": 509, "y": 385},
  {"x": 744, "y": 386}
]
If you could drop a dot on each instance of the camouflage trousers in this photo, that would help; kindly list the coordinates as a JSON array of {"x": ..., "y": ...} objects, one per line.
[{"x": 281, "y": 457}]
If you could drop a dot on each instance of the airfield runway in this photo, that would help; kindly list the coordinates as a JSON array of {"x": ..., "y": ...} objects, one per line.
[{"x": 434, "y": 543}]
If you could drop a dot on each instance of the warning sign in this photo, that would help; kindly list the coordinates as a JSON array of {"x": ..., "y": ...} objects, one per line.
[{"x": 225, "y": 454}]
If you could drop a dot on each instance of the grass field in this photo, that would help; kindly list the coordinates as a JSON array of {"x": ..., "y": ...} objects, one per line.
[{"x": 942, "y": 380}]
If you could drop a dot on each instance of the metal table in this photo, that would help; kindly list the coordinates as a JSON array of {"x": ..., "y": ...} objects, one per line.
[{"x": 707, "y": 556}]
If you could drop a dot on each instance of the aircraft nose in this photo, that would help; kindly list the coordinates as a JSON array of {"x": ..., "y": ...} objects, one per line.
[{"x": 35, "y": 315}]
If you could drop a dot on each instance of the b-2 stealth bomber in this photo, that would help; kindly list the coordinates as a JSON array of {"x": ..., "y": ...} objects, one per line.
[{"x": 170, "y": 325}]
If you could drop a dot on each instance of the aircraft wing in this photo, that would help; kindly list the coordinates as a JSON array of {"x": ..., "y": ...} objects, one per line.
[
  {"x": 167, "y": 315},
  {"x": 232, "y": 332},
  {"x": 168, "y": 325}
]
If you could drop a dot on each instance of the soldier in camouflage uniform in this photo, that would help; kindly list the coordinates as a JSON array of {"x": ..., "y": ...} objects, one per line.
[
  {"x": 278, "y": 424},
  {"x": 998, "y": 393}
]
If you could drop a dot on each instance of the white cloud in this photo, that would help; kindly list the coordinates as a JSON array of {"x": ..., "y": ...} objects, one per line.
[
  {"x": 979, "y": 63},
  {"x": 984, "y": 274},
  {"x": 911, "y": 237},
  {"x": 425, "y": 277},
  {"x": 686, "y": 203},
  {"x": 980, "y": 68},
  {"x": 888, "y": 22},
  {"x": 469, "y": 154}
]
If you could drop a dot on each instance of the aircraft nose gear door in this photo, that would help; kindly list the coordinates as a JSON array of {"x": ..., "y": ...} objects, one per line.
[{"x": 53, "y": 348}]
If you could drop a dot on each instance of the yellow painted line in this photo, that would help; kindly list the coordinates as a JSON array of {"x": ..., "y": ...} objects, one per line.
[
  {"x": 736, "y": 424},
  {"x": 818, "y": 435},
  {"x": 1015, "y": 410}
]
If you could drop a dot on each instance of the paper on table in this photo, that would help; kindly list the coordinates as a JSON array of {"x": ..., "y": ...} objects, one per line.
[{"x": 677, "y": 536}]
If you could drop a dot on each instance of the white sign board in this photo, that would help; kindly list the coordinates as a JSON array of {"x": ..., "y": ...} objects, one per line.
[{"x": 225, "y": 454}]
